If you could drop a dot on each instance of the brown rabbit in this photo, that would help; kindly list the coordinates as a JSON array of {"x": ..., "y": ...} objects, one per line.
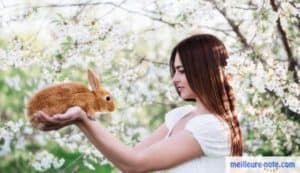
[{"x": 58, "y": 98}]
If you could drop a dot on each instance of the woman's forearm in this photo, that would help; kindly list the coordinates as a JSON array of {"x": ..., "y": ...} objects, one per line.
[{"x": 124, "y": 157}]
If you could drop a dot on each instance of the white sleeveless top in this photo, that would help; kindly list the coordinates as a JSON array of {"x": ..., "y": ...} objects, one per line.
[{"x": 212, "y": 134}]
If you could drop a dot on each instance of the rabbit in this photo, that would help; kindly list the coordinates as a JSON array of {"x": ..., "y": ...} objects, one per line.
[{"x": 58, "y": 98}]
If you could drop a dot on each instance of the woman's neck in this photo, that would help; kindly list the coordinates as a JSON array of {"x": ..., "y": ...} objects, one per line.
[{"x": 200, "y": 108}]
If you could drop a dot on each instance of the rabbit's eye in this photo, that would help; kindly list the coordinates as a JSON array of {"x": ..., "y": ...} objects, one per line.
[{"x": 107, "y": 98}]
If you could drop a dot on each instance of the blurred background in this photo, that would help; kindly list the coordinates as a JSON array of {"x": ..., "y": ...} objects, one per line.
[{"x": 128, "y": 44}]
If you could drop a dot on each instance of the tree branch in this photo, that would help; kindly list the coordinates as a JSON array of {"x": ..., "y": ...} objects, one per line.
[
  {"x": 160, "y": 19},
  {"x": 245, "y": 8},
  {"x": 75, "y": 17},
  {"x": 243, "y": 40},
  {"x": 151, "y": 61},
  {"x": 294, "y": 5},
  {"x": 111, "y": 10},
  {"x": 236, "y": 29},
  {"x": 66, "y": 5},
  {"x": 233, "y": 25},
  {"x": 292, "y": 62}
]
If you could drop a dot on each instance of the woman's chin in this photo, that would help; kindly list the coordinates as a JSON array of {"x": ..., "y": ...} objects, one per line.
[{"x": 187, "y": 97}]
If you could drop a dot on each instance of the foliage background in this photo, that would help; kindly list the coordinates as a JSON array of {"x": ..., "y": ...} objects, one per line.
[{"x": 128, "y": 43}]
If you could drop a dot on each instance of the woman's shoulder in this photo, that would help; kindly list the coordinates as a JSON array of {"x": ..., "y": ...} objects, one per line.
[
  {"x": 209, "y": 130},
  {"x": 207, "y": 118},
  {"x": 207, "y": 123},
  {"x": 176, "y": 114},
  {"x": 212, "y": 133}
]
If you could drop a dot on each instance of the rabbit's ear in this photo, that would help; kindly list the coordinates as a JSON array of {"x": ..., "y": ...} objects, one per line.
[{"x": 93, "y": 80}]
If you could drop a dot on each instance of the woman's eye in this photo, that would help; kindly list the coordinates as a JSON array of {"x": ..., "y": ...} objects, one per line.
[{"x": 181, "y": 71}]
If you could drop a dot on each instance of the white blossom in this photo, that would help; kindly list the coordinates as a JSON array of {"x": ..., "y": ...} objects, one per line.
[
  {"x": 4, "y": 144},
  {"x": 43, "y": 160}
]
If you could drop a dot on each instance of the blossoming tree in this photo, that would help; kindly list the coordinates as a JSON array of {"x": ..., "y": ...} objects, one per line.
[{"x": 128, "y": 44}]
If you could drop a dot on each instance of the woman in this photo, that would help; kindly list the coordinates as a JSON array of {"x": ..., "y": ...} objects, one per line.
[{"x": 191, "y": 139}]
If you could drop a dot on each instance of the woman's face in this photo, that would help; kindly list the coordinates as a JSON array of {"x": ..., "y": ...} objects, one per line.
[{"x": 180, "y": 81}]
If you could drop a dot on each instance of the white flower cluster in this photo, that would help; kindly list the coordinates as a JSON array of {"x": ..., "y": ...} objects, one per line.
[
  {"x": 13, "y": 132},
  {"x": 70, "y": 141},
  {"x": 5, "y": 141},
  {"x": 43, "y": 160},
  {"x": 76, "y": 141},
  {"x": 13, "y": 57},
  {"x": 293, "y": 103},
  {"x": 272, "y": 77},
  {"x": 18, "y": 132}
]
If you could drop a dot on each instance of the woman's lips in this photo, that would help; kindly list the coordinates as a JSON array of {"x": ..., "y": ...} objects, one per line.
[{"x": 180, "y": 88}]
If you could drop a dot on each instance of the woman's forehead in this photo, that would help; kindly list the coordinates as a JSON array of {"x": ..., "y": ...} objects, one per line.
[{"x": 177, "y": 61}]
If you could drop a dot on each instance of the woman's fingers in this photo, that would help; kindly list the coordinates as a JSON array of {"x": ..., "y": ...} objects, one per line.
[
  {"x": 76, "y": 112},
  {"x": 63, "y": 117},
  {"x": 56, "y": 126},
  {"x": 72, "y": 113},
  {"x": 58, "y": 121},
  {"x": 45, "y": 118}
]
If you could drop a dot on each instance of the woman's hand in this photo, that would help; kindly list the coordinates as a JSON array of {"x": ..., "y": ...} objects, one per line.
[{"x": 57, "y": 121}]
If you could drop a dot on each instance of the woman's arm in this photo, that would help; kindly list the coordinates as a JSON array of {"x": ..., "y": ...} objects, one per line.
[
  {"x": 160, "y": 155},
  {"x": 156, "y": 136}
]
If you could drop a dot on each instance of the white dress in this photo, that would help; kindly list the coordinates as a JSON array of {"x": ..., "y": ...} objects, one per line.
[{"x": 213, "y": 136}]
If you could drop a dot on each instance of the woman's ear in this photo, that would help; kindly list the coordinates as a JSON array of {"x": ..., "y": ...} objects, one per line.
[{"x": 93, "y": 80}]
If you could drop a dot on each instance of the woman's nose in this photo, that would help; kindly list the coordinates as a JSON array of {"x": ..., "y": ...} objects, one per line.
[{"x": 175, "y": 78}]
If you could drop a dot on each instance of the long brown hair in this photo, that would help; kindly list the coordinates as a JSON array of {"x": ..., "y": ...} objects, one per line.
[{"x": 203, "y": 57}]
